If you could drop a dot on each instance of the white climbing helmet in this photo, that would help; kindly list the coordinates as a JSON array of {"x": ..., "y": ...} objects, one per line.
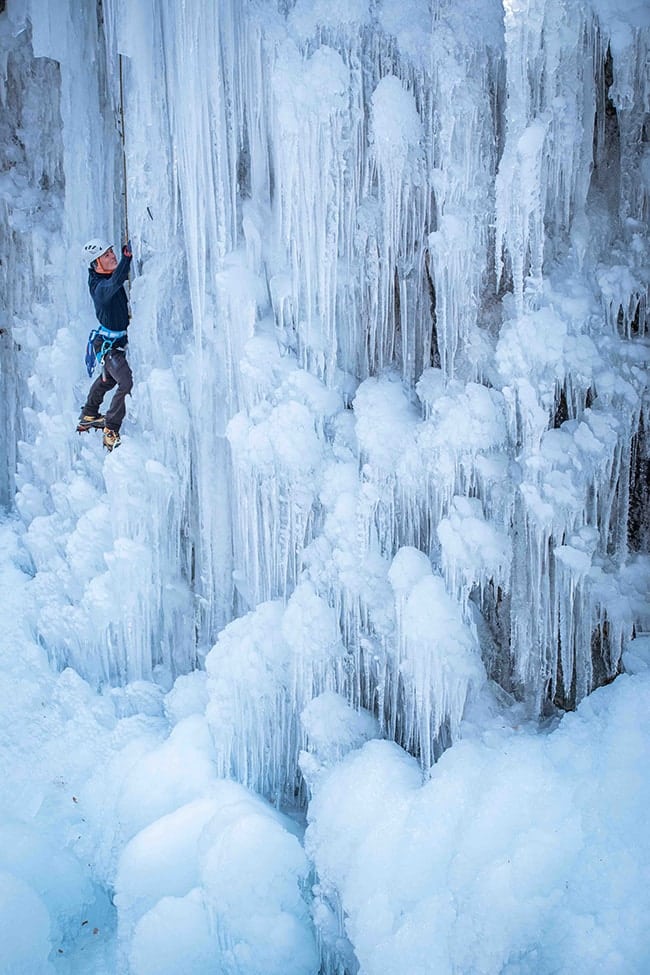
[{"x": 95, "y": 248}]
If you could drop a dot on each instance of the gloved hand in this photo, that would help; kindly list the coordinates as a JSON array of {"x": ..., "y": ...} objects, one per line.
[{"x": 126, "y": 250}]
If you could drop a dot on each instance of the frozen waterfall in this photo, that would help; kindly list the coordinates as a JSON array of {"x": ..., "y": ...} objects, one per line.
[{"x": 385, "y": 466}]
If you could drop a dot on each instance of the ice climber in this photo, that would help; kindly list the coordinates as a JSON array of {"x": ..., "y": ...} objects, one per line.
[{"x": 107, "y": 343}]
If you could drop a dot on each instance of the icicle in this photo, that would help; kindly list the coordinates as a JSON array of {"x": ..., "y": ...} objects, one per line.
[
  {"x": 264, "y": 670},
  {"x": 474, "y": 551},
  {"x": 543, "y": 164},
  {"x": 630, "y": 96},
  {"x": 276, "y": 465},
  {"x": 461, "y": 171},
  {"x": 436, "y": 665}
]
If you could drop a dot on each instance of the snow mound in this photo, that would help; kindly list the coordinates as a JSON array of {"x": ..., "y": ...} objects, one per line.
[{"x": 496, "y": 864}]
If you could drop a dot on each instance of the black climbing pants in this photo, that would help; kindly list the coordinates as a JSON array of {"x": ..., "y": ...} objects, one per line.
[{"x": 116, "y": 372}]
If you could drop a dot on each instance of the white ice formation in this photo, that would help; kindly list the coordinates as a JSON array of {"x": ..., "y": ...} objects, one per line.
[
  {"x": 387, "y": 447},
  {"x": 407, "y": 239}
]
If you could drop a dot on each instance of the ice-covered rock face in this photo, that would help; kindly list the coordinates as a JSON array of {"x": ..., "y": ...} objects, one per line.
[
  {"x": 387, "y": 440},
  {"x": 447, "y": 237}
]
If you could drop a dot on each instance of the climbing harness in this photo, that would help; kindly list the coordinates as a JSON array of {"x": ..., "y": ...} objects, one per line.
[{"x": 94, "y": 351}]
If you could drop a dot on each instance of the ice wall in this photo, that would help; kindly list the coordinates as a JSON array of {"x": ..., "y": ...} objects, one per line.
[
  {"x": 384, "y": 472},
  {"x": 390, "y": 293},
  {"x": 31, "y": 173}
]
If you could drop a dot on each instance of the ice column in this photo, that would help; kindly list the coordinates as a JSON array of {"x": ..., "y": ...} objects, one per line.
[
  {"x": 437, "y": 660},
  {"x": 264, "y": 669},
  {"x": 464, "y": 133},
  {"x": 311, "y": 133},
  {"x": 31, "y": 178},
  {"x": 543, "y": 173},
  {"x": 396, "y": 162}
]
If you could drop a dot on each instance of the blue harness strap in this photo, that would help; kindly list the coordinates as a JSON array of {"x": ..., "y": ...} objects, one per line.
[{"x": 93, "y": 355}]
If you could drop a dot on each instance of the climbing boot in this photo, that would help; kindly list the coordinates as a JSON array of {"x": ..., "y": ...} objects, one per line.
[
  {"x": 111, "y": 438},
  {"x": 88, "y": 422}
]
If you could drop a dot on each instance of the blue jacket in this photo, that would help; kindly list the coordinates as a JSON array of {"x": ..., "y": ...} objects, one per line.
[{"x": 109, "y": 296}]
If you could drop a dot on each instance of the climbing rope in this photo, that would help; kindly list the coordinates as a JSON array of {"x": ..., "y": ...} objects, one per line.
[{"x": 123, "y": 137}]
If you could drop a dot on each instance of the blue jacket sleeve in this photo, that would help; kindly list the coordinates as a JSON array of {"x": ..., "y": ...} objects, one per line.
[{"x": 105, "y": 290}]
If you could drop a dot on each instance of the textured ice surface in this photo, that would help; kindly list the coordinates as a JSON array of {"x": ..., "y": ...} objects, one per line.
[
  {"x": 383, "y": 476},
  {"x": 503, "y": 861}
]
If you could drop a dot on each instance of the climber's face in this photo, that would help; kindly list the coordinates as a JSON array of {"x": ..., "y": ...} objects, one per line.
[{"x": 107, "y": 263}]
